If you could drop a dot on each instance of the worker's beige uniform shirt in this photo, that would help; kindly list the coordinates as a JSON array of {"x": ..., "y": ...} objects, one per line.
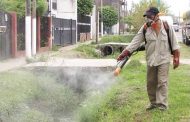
[{"x": 157, "y": 47}]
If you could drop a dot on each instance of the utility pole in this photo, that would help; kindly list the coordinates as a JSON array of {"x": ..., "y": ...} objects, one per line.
[
  {"x": 119, "y": 14},
  {"x": 124, "y": 14},
  {"x": 34, "y": 27},
  {"x": 97, "y": 24},
  {"x": 102, "y": 25},
  {"x": 28, "y": 29},
  {"x": 51, "y": 21}
]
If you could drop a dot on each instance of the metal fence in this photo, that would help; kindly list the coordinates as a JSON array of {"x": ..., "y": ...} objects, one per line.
[
  {"x": 64, "y": 31},
  {"x": 83, "y": 26},
  {"x": 20, "y": 33},
  {"x": 45, "y": 32},
  {"x": 5, "y": 35}
]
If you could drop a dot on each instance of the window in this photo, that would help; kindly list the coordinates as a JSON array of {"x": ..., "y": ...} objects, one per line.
[{"x": 54, "y": 4}]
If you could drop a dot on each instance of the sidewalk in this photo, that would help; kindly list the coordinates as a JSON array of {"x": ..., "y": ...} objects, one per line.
[
  {"x": 19, "y": 62},
  {"x": 12, "y": 63},
  {"x": 76, "y": 63},
  {"x": 185, "y": 61},
  {"x": 182, "y": 61}
]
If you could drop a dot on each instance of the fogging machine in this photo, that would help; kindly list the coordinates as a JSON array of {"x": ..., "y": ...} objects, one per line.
[{"x": 121, "y": 63}]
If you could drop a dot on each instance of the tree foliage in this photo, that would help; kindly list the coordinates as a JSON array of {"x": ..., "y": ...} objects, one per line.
[
  {"x": 135, "y": 17},
  {"x": 84, "y": 7},
  {"x": 41, "y": 7},
  {"x": 2, "y": 4},
  {"x": 14, "y": 5},
  {"x": 19, "y": 6},
  {"x": 110, "y": 16}
]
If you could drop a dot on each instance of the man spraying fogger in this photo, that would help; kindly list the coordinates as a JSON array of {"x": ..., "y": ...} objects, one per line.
[{"x": 160, "y": 43}]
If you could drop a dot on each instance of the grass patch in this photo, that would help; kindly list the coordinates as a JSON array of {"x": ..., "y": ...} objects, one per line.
[
  {"x": 15, "y": 89},
  {"x": 128, "y": 98},
  {"x": 185, "y": 51},
  {"x": 40, "y": 58},
  {"x": 55, "y": 48},
  {"x": 89, "y": 50},
  {"x": 26, "y": 96},
  {"x": 138, "y": 56},
  {"x": 117, "y": 38},
  {"x": 32, "y": 116}
]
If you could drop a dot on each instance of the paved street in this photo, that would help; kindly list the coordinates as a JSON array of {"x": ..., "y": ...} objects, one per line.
[
  {"x": 179, "y": 36},
  {"x": 83, "y": 63}
]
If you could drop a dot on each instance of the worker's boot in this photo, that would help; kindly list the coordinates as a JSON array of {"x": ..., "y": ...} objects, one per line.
[
  {"x": 162, "y": 107},
  {"x": 151, "y": 106}
]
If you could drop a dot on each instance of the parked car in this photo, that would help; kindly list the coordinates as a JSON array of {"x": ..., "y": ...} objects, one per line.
[
  {"x": 186, "y": 34},
  {"x": 176, "y": 27},
  {"x": 186, "y": 28}
]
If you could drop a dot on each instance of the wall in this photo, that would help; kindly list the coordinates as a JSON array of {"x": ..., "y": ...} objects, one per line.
[
  {"x": 115, "y": 28},
  {"x": 66, "y": 9}
]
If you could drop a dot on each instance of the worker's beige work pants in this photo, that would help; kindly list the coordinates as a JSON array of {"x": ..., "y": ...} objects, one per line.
[{"x": 157, "y": 84}]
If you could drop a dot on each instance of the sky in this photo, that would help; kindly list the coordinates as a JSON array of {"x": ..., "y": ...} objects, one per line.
[{"x": 177, "y": 7}]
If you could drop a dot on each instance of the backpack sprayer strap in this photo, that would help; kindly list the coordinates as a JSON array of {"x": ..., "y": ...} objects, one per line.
[
  {"x": 166, "y": 27},
  {"x": 144, "y": 32}
]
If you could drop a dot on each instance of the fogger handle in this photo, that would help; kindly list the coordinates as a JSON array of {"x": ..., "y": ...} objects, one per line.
[
  {"x": 120, "y": 65},
  {"x": 123, "y": 62}
]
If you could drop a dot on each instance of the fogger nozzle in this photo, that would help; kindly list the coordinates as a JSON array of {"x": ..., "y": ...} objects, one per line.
[{"x": 117, "y": 71}]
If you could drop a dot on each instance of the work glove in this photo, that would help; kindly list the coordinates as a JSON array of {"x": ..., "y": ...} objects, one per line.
[
  {"x": 124, "y": 54},
  {"x": 176, "y": 55}
]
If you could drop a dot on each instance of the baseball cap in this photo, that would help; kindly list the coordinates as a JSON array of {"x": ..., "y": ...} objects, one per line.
[{"x": 151, "y": 11}]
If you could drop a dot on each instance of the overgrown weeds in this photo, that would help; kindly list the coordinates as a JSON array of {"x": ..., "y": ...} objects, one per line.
[
  {"x": 117, "y": 38},
  {"x": 91, "y": 50},
  {"x": 28, "y": 96},
  {"x": 40, "y": 58},
  {"x": 127, "y": 100}
]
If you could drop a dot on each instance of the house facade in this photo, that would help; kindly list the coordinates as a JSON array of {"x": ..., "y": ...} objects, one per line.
[
  {"x": 64, "y": 21},
  {"x": 58, "y": 26}
]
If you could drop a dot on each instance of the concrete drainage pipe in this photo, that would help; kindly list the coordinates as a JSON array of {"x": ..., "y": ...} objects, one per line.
[{"x": 107, "y": 50}]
